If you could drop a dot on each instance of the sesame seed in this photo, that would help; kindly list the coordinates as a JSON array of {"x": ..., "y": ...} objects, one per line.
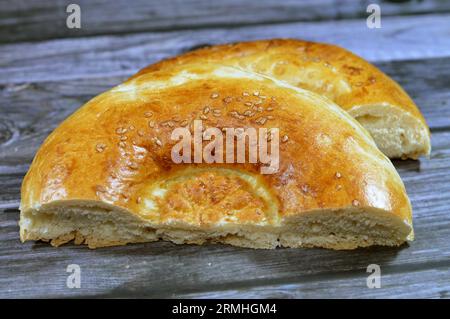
[
  {"x": 248, "y": 103},
  {"x": 140, "y": 132},
  {"x": 355, "y": 202},
  {"x": 270, "y": 117},
  {"x": 121, "y": 130},
  {"x": 122, "y": 144},
  {"x": 100, "y": 147},
  {"x": 285, "y": 138},
  {"x": 270, "y": 109},
  {"x": 206, "y": 110},
  {"x": 338, "y": 175},
  {"x": 123, "y": 138},
  {"x": 151, "y": 124},
  {"x": 100, "y": 188},
  {"x": 133, "y": 166},
  {"x": 148, "y": 114},
  {"x": 131, "y": 127},
  {"x": 214, "y": 95},
  {"x": 157, "y": 141},
  {"x": 338, "y": 187},
  {"x": 245, "y": 93},
  {"x": 138, "y": 200},
  {"x": 305, "y": 189},
  {"x": 256, "y": 93},
  {"x": 184, "y": 123},
  {"x": 203, "y": 117},
  {"x": 228, "y": 99},
  {"x": 261, "y": 120}
]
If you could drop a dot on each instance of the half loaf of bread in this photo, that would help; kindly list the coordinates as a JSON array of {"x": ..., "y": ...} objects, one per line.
[
  {"x": 106, "y": 177},
  {"x": 358, "y": 87}
]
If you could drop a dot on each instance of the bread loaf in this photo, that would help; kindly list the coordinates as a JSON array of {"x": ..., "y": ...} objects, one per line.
[
  {"x": 361, "y": 89},
  {"x": 106, "y": 176}
]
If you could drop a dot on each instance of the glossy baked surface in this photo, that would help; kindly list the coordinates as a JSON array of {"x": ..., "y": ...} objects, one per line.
[{"x": 116, "y": 149}]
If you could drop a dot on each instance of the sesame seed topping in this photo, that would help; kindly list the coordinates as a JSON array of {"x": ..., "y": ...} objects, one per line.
[
  {"x": 270, "y": 117},
  {"x": 123, "y": 138},
  {"x": 248, "y": 113},
  {"x": 131, "y": 127},
  {"x": 285, "y": 138},
  {"x": 203, "y": 117},
  {"x": 138, "y": 200},
  {"x": 157, "y": 141},
  {"x": 140, "y": 132},
  {"x": 100, "y": 147},
  {"x": 121, "y": 130},
  {"x": 228, "y": 99},
  {"x": 133, "y": 166},
  {"x": 355, "y": 202},
  {"x": 184, "y": 123},
  {"x": 245, "y": 93},
  {"x": 256, "y": 93},
  {"x": 338, "y": 175},
  {"x": 122, "y": 144},
  {"x": 304, "y": 188},
  {"x": 214, "y": 95},
  {"x": 261, "y": 120},
  {"x": 151, "y": 124},
  {"x": 100, "y": 188},
  {"x": 206, "y": 109},
  {"x": 270, "y": 109},
  {"x": 148, "y": 114},
  {"x": 248, "y": 103}
]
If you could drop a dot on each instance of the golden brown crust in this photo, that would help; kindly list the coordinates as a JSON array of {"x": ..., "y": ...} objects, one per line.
[
  {"x": 117, "y": 150},
  {"x": 329, "y": 70}
]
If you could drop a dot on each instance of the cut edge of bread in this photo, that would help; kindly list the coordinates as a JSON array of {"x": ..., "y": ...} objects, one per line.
[
  {"x": 98, "y": 224},
  {"x": 397, "y": 133}
]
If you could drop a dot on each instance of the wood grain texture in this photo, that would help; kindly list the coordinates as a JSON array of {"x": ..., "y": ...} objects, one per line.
[
  {"x": 401, "y": 38},
  {"x": 166, "y": 270},
  {"x": 42, "y": 83},
  {"x": 22, "y": 20}
]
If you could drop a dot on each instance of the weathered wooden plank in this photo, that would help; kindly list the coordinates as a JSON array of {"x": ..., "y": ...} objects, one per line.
[
  {"x": 22, "y": 20},
  {"x": 166, "y": 270},
  {"x": 433, "y": 283},
  {"x": 401, "y": 38}
]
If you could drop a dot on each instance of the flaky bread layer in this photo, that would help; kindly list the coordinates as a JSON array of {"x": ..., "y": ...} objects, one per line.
[{"x": 100, "y": 225}]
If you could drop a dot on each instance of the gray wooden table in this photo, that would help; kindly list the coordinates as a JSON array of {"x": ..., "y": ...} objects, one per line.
[{"x": 47, "y": 71}]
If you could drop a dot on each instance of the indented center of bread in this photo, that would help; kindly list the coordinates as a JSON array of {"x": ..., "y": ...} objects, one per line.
[{"x": 206, "y": 196}]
